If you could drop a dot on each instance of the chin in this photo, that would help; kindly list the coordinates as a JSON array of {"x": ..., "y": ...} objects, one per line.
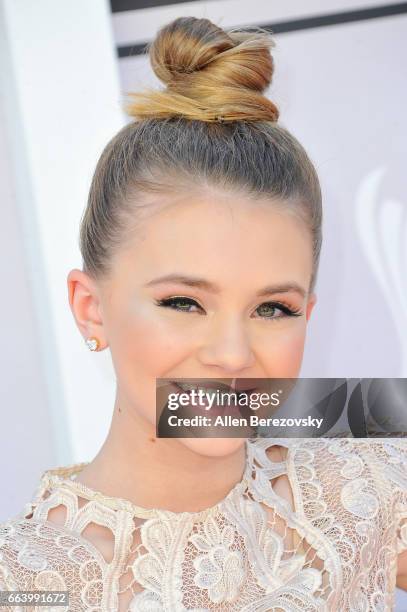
[{"x": 213, "y": 447}]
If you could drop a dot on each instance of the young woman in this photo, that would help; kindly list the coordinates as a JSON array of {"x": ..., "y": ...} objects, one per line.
[{"x": 200, "y": 244}]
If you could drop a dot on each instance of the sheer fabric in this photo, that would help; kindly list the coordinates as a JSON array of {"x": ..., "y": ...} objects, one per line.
[{"x": 318, "y": 531}]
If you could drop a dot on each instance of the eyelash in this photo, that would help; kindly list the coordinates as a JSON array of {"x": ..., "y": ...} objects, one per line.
[{"x": 287, "y": 311}]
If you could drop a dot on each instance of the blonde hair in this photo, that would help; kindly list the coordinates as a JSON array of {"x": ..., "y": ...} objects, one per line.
[
  {"x": 209, "y": 74},
  {"x": 211, "y": 125}
]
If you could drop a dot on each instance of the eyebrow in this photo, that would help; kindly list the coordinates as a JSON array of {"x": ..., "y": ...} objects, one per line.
[{"x": 202, "y": 283}]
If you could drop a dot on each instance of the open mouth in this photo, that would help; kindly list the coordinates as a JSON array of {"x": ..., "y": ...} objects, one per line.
[
  {"x": 215, "y": 388},
  {"x": 213, "y": 392}
]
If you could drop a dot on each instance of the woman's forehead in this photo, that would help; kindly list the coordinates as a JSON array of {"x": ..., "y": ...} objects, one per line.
[
  {"x": 201, "y": 238},
  {"x": 215, "y": 215}
]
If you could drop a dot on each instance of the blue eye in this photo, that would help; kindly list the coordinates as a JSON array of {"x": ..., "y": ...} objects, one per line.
[{"x": 184, "y": 304}]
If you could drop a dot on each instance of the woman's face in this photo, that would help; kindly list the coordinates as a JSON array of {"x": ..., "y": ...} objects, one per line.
[{"x": 204, "y": 289}]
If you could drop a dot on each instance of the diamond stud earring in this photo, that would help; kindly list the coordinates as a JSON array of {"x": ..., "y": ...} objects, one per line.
[{"x": 92, "y": 343}]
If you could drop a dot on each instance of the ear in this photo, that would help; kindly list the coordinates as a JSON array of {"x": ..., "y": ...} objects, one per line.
[
  {"x": 310, "y": 305},
  {"x": 85, "y": 305}
]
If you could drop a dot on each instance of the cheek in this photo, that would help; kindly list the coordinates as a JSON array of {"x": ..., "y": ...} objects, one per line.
[
  {"x": 148, "y": 342},
  {"x": 144, "y": 347},
  {"x": 285, "y": 353}
]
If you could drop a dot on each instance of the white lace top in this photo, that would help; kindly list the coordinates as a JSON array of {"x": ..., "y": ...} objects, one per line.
[{"x": 332, "y": 547}]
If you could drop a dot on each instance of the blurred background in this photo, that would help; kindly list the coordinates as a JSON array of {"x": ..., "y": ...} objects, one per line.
[{"x": 64, "y": 67}]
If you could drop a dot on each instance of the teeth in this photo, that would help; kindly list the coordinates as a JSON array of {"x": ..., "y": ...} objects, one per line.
[{"x": 189, "y": 387}]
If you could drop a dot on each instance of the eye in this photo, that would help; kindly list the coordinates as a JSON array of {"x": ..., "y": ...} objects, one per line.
[
  {"x": 179, "y": 303},
  {"x": 270, "y": 307},
  {"x": 185, "y": 304}
]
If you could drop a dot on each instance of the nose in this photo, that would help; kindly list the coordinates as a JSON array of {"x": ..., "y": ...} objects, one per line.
[{"x": 227, "y": 347}]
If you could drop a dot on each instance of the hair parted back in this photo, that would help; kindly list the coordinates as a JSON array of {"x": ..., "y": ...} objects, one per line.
[{"x": 211, "y": 126}]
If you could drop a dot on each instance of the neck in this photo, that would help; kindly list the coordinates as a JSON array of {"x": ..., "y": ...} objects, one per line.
[{"x": 158, "y": 472}]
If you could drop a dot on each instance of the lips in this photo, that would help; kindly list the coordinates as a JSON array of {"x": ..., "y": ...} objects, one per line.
[
  {"x": 239, "y": 391},
  {"x": 220, "y": 407},
  {"x": 238, "y": 385},
  {"x": 200, "y": 383}
]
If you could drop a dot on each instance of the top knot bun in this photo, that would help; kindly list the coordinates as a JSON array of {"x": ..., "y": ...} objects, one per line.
[{"x": 210, "y": 74}]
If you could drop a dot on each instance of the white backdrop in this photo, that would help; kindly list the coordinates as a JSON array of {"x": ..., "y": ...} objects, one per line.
[{"x": 341, "y": 90}]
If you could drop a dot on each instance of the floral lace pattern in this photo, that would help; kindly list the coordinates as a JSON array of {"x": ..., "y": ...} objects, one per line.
[{"x": 332, "y": 546}]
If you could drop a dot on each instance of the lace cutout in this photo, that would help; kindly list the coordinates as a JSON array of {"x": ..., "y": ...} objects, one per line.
[
  {"x": 356, "y": 514},
  {"x": 317, "y": 531}
]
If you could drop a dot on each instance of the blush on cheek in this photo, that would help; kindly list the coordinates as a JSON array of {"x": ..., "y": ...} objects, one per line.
[
  {"x": 286, "y": 357},
  {"x": 144, "y": 338},
  {"x": 143, "y": 350},
  {"x": 157, "y": 348}
]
